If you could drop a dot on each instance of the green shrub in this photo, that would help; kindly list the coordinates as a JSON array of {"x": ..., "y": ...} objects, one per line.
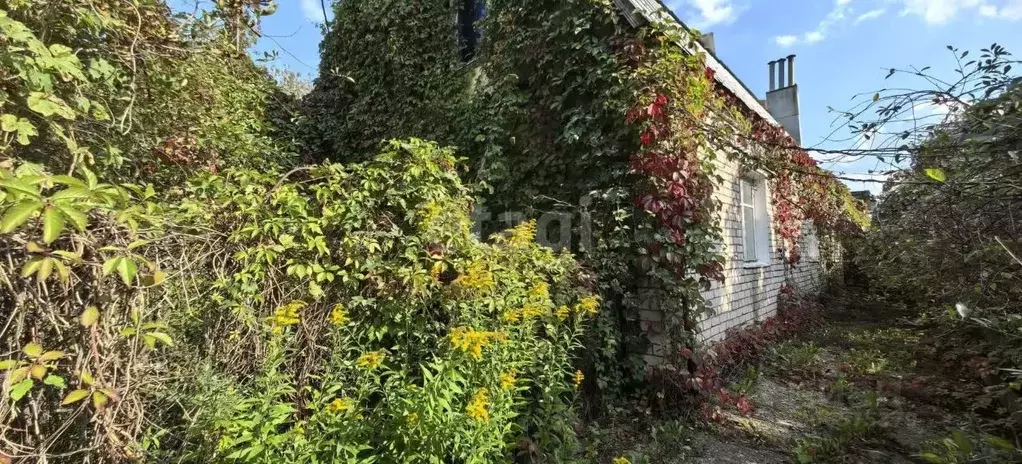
[{"x": 386, "y": 330}]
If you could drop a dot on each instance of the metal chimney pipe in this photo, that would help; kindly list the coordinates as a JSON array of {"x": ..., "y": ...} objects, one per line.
[
  {"x": 773, "y": 75},
  {"x": 780, "y": 72},
  {"x": 791, "y": 70}
]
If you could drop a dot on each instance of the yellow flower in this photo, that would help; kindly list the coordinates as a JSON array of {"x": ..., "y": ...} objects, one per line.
[
  {"x": 513, "y": 315},
  {"x": 476, "y": 408},
  {"x": 338, "y": 316},
  {"x": 589, "y": 305},
  {"x": 523, "y": 234},
  {"x": 476, "y": 277},
  {"x": 621, "y": 460},
  {"x": 562, "y": 312},
  {"x": 430, "y": 213},
  {"x": 540, "y": 292},
  {"x": 530, "y": 311},
  {"x": 436, "y": 270},
  {"x": 370, "y": 360},
  {"x": 341, "y": 405},
  {"x": 507, "y": 380},
  {"x": 287, "y": 314},
  {"x": 473, "y": 341},
  {"x": 578, "y": 378}
]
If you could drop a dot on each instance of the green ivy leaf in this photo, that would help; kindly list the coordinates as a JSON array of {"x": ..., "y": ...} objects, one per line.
[
  {"x": 19, "y": 213},
  {"x": 55, "y": 381},
  {"x": 936, "y": 174},
  {"x": 53, "y": 224},
  {"x": 21, "y": 389}
]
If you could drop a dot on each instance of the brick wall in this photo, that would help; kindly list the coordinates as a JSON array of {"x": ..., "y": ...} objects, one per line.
[{"x": 748, "y": 292}]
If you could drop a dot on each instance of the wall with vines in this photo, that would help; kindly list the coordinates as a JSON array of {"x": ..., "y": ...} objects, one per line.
[{"x": 568, "y": 108}]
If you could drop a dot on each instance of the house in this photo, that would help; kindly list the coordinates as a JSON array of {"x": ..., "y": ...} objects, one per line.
[{"x": 756, "y": 267}]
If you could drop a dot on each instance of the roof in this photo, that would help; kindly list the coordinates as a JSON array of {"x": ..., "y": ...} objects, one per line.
[{"x": 640, "y": 12}]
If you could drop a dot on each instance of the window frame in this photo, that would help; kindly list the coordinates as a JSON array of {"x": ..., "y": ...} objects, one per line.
[{"x": 761, "y": 239}]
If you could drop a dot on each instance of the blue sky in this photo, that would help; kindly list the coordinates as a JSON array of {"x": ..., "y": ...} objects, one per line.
[{"x": 844, "y": 47}]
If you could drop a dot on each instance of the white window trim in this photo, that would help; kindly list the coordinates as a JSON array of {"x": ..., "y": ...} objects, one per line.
[{"x": 761, "y": 216}]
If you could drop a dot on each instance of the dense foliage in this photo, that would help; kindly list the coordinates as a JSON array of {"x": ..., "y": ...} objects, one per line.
[
  {"x": 946, "y": 237},
  {"x": 210, "y": 311},
  {"x": 567, "y": 108}
]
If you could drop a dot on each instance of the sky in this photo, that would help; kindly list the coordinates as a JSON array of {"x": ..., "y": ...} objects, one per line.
[{"x": 844, "y": 48}]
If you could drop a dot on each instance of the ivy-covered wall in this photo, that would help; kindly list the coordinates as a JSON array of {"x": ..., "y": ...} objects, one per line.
[{"x": 566, "y": 107}]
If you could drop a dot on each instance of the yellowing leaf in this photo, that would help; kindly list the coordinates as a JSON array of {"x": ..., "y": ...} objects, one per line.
[
  {"x": 8, "y": 364},
  {"x": 53, "y": 224},
  {"x": 19, "y": 213},
  {"x": 87, "y": 378},
  {"x": 33, "y": 350},
  {"x": 936, "y": 174},
  {"x": 33, "y": 247},
  {"x": 99, "y": 399},
  {"x": 32, "y": 266},
  {"x": 45, "y": 269},
  {"x": 51, "y": 356},
  {"x": 74, "y": 397},
  {"x": 38, "y": 371},
  {"x": 90, "y": 316}
]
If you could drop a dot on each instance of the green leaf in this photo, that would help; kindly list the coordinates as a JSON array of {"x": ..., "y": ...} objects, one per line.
[
  {"x": 53, "y": 224},
  {"x": 49, "y": 105},
  {"x": 162, "y": 337},
  {"x": 33, "y": 350},
  {"x": 9, "y": 364},
  {"x": 24, "y": 185},
  {"x": 45, "y": 269},
  {"x": 127, "y": 269},
  {"x": 90, "y": 316},
  {"x": 930, "y": 457},
  {"x": 77, "y": 218},
  {"x": 19, "y": 213},
  {"x": 936, "y": 174},
  {"x": 999, "y": 442},
  {"x": 74, "y": 397},
  {"x": 110, "y": 265},
  {"x": 32, "y": 266},
  {"x": 21, "y": 389},
  {"x": 55, "y": 381}
]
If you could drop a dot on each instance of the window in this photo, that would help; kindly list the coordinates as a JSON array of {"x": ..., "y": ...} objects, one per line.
[
  {"x": 755, "y": 220},
  {"x": 812, "y": 242},
  {"x": 469, "y": 34}
]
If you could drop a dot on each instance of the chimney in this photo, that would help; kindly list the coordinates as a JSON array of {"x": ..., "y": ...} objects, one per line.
[{"x": 782, "y": 99}]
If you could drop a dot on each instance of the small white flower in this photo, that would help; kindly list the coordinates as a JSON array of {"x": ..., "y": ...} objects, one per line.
[{"x": 962, "y": 309}]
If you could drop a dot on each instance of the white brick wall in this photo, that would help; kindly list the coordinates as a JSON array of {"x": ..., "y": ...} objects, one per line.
[{"x": 747, "y": 294}]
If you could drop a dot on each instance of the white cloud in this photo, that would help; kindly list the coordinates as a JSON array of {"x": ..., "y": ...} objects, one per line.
[
  {"x": 709, "y": 12},
  {"x": 942, "y": 11},
  {"x": 836, "y": 15},
  {"x": 786, "y": 40},
  {"x": 871, "y": 14},
  {"x": 312, "y": 10}
]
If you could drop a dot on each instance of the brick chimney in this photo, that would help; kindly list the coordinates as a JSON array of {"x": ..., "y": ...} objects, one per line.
[{"x": 782, "y": 98}]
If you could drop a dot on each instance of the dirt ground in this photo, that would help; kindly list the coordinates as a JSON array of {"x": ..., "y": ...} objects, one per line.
[{"x": 866, "y": 387}]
